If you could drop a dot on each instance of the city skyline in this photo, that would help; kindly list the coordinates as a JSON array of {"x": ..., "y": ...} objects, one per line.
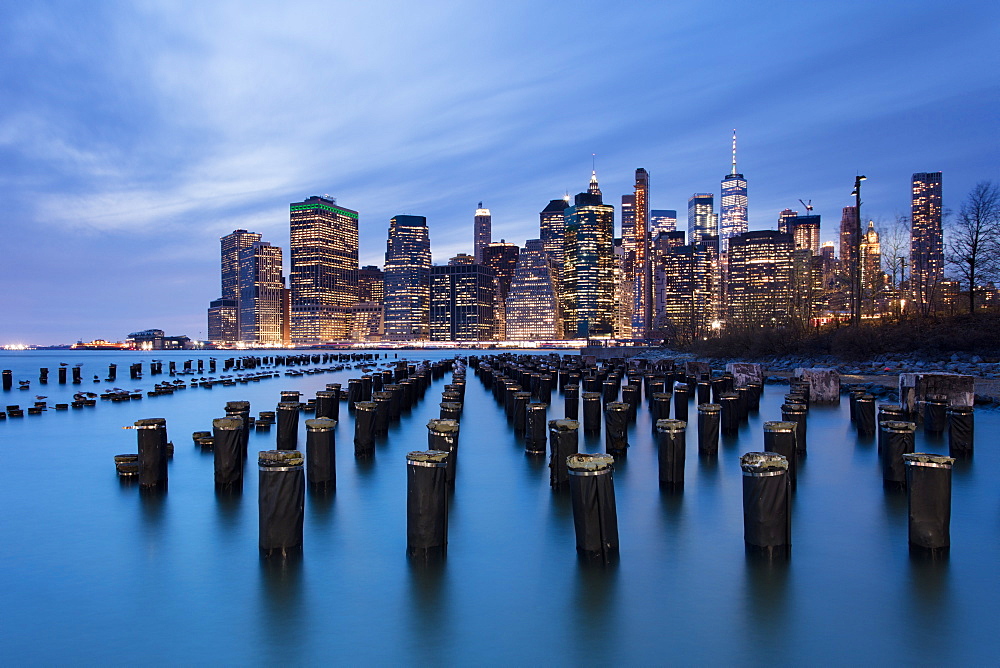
[{"x": 166, "y": 134}]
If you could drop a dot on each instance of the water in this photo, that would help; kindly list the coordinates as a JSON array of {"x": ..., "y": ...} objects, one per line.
[{"x": 95, "y": 572}]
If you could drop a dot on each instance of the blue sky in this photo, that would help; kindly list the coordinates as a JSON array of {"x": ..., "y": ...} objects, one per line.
[{"x": 134, "y": 135}]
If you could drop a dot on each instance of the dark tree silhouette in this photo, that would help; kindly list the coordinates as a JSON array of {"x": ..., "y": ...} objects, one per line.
[{"x": 974, "y": 242}]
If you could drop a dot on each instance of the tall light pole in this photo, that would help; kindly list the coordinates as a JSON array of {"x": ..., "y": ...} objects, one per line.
[{"x": 856, "y": 297}]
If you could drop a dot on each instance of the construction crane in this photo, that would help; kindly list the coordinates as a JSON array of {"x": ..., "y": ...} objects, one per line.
[{"x": 809, "y": 207}]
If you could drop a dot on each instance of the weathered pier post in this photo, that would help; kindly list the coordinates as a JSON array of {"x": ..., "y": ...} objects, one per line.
[
  {"x": 535, "y": 423},
  {"x": 280, "y": 502},
  {"x": 671, "y": 437},
  {"x": 152, "y": 438},
  {"x": 708, "y": 429},
  {"x": 928, "y": 501},
  {"x": 426, "y": 504},
  {"x": 898, "y": 441},
  {"x": 592, "y": 490},
  {"x": 288, "y": 425},
  {"x": 321, "y": 460},
  {"x": 681, "y": 392},
  {"x": 781, "y": 438},
  {"x": 616, "y": 428},
  {"x": 364, "y": 429},
  {"x": 572, "y": 399},
  {"x": 767, "y": 520},
  {"x": 442, "y": 436},
  {"x": 961, "y": 431},
  {"x": 564, "y": 440},
  {"x": 227, "y": 452}
]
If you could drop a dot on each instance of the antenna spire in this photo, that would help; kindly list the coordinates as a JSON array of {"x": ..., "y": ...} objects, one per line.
[{"x": 734, "y": 151}]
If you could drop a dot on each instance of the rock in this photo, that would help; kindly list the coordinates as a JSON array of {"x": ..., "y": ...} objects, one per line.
[{"x": 824, "y": 384}]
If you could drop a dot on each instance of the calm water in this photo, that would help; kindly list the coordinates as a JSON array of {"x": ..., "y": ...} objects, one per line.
[{"x": 93, "y": 572}]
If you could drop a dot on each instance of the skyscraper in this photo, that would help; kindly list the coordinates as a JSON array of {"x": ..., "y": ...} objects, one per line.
[
  {"x": 702, "y": 221},
  {"x": 662, "y": 220},
  {"x": 482, "y": 231},
  {"x": 463, "y": 302},
  {"x": 262, "y": 294},
  {"x": 552, "y": 225},
  {"x": 588, "y": 284},
  {"x": 532, "y": 308},
  {"x": 502, "y": 258},
  {"x": 759, "y": 287},
  {"x": 222, "y": 320},
  {"x": 231, "y": 245},
  {"x": 926, "y": 246},
  {"x": 805, "y": 231},
  {"x": 871, "y": 263},
  {"x": 407, "y": 279},
  {"x": 324, "y": 275},
  {"x": 785, "y": 218},
  {"x": 733, "y": 204},
  {"x": 371, "y": 284},
  {"x": 639, "y": 265},
  {"x": 685, "y": 285}
]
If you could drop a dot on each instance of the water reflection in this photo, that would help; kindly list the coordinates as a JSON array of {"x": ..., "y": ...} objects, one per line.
[
  {"x": 929, "y": 600},
  {"x": 766, "y": 594},
  {"x": 281, "y": 605},
  {"x": 594, "y": 610},
  {"x": 228, "y": 501}
]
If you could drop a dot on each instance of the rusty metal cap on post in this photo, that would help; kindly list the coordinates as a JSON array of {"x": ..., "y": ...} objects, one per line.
[
  {"x": 779, "y": 427},
  {"x": 709, "y": 408},
  {"x": 427, "y": 458},
  {"x": 928, "y": 459},
  {"x": 564, "y": 425},
  {"x": 279, "y": 459},
  {"x": 227, "y": 423},
  {"x": 584, "y": 464},
  {"x": 671, "y": 426},
  {"x": 617, "y": 406},
  {"x": 763, "y": 463},
  {"x": 321, "y": 424},
  {"x": 899, "y": 426},
  {"x": 443, "y": 426}
]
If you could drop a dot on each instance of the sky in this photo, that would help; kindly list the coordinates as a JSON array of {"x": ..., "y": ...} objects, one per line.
[{"x": 134, "y": 134}]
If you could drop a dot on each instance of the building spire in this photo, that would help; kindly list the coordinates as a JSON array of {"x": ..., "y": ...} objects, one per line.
[{"x": 734, "y": 152}]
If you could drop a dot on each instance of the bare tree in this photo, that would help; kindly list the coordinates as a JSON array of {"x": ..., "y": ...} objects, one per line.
[
  {"x": 894, "y": 238},
  {"x": 974, "y": 241}
]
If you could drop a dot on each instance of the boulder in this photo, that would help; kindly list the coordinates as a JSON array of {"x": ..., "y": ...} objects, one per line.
[
  {"x": 917, "y": 387},
  {"x": 697, "y": 369},
  {"x": 745, "y": 372},
  {"x": 824, "y": 384}
]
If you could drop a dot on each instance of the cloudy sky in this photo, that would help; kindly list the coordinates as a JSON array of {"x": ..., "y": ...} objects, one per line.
[{"x": 134, "y": 134}]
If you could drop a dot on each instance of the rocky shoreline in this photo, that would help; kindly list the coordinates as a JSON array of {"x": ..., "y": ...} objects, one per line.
[{"x": 879, "y": 376}]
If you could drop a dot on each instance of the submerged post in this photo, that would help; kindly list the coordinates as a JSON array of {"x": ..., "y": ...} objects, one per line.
[
  {"x": 767, "y": 526},
  {"x": 592, "y": 489},
  {"x": 364, "y": 429},
  {"x": 681, "y": 402},
  {"x": 228, "y": 452},
  {"x": 152, "y": 437},
  {"x": 572, "y": 401},
  {"x": 671, "y": 437},
  {"x": 795, "y": 413},
  {"x": 781, "y": 438},
  {"x": 616, "y": 428},
  {"x": 534, "y": 428},
  {"x": 321, "y": 461},
  {"x": 898, "y": 441},
  {"x": 592, "y": 411},
  {"x": 563, "y": 441},
  {"x": 442, "y": 436},
  {"x": 708, "y": 429},
  {"x": 280, "y": 501},
  {"x": 961, "y": 431},
  {"x": 928, "y": 500},
  {"x": 426, "y": 504},
  {"x": 288, "y": 425}
]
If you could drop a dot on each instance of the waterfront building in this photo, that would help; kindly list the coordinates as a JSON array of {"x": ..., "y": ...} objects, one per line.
[
  {"x": 624, "y": 292},
  {"x": 805, "y": 232},
  {"x": 926, "y": 245},
  {"x": 662, "y": 220},
  {"x": 407, "y": 279},
  {"x": 758, "y": 292},
  {"x": 371, "y": 285},
  {"x": 685, "y": 285},
  {"x": 702, "y": 220},
  {"x": 552, "y": 225},
  {"x": 733, "y": 204},
  {"x": 588, "y": 286},
  {"x": 785, "y": 218},
  {"x": 482, "y": 232},
  {"x": 219, "y": 316},
  {"x": 532, "y": 307},
  {"x": 463, "y": 302},
  {"x": 367, "y": 321},
  {"x": 223, "y": 325},
  {"x": 501, "y": 257},
  {"x": 324, "y": 269},
  {"x": 262, "y": 294}
]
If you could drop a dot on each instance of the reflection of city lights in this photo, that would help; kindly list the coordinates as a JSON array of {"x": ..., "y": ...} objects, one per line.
[{"x": 15, "y": 346}]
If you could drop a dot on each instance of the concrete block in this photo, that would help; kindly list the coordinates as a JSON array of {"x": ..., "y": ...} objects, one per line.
[
  {"x": 917, "y": 387},
  {"x": 744, "y": 373},
  {"x": 824, "y": 384},
  {"x": 697, "y": 369}
]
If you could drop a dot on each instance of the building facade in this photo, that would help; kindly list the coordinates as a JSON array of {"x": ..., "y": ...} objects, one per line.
[
  {"x": 407, "y": 279},
  {"x": 588, "y": 285},
  {"x": 926, "y": 243},
  {"x": 262, "y": 294},
  {"x": 482, "y": 227},
  {"x": 685, "y": 282},
  {"x": 371, "y": 284},
  {"x": 805, "y": 231},
  {"x": 532, "y": 306},
  {"x": 702, "y": 219},
  {"x": 759, "y": 286},
  {"x": 662, "y": 220},
  {"x": 463, "y": 302},
  {"x": 733, "y": 204},
  {"x": 223, "y": 326},
  {"x": 324, "y": 269}
]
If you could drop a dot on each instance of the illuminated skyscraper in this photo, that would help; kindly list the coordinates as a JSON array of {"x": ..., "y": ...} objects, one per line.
[
  {"x": 702, "y": 221},
  {"x": 463, "y": 302},
  {"x": 371, "y": 284},
  {"x": 638, "y": 272},
  {"x": 222, "y": 320},
  {"x": 733, "y": 204},
  {"x": 324, "y": 276},
  {"x": 262, "y": 294},
  {"x": 785, "y": 218},
  {"x": 926, "y": 246},
  {"x": 684, "y": 287},
  {"x": 848, "y": 238},
  {"x": 502, "y": 258},
  {"x": 805, "y": 231},
  {"x": 759, "y": 287},
  {"x": 662, "y": 220},
  {"x": 552, "y": 225},
  {"x": 588, "y": 285},
  {"x": 532, "y": 308},
  {"x": 482, "y": 231},
  {"x": 871, "y": 263},
  {"x": 220, "y": 324},
  {"x": 407, "y": 279}
]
